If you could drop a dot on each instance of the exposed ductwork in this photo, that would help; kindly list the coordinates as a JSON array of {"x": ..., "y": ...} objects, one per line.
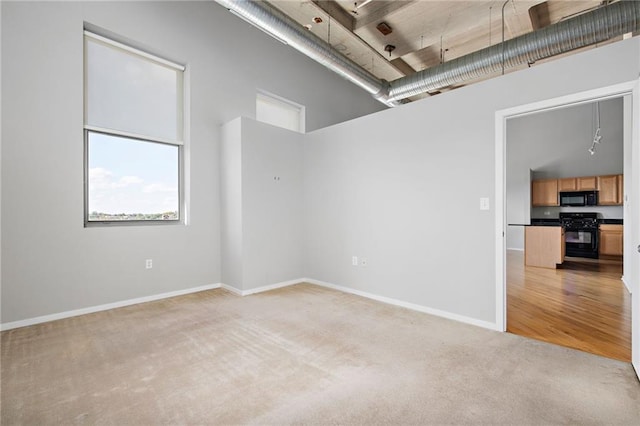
[
  {"x": 280, "y": 26},
  {"x": 583, "y": 30}
]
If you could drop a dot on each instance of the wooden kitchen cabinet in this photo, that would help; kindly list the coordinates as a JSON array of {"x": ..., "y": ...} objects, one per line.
[
  {"x": 544, "y": 192},
  {"x": 620, "y": 189},
  {"x": 584, "y": 183},
  {"x": 544, "y": 246},
  {"x": 609, "y": 191},
  {"x": 587, "y": 183},
  {"x": 567, "y": 184},
  {"x": 611, "y": 242}
]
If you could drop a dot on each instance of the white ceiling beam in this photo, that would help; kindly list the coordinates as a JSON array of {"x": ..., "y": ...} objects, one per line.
[{"x": 337, "y": 13}]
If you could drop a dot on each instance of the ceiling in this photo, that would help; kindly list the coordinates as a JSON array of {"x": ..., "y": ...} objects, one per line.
[{"x": 423, "y": 33}]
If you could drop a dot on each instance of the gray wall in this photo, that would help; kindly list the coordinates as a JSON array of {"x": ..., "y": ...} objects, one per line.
[
  {"x": 261, "y": 183},
  {"x": 554, "y": 144},
  {"x": 271, "y": 204},
  {"x": 51, "y": 263},
  {"x": 402, "y": 186},
  {"x": 231, "y": 203}
]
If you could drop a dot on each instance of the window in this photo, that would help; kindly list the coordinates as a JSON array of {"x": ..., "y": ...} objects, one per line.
[
  {"x": 133, "y": 135},
  {"x": 279, "y": 112}
]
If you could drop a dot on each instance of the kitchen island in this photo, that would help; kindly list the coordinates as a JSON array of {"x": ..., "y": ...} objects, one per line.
[{"x": 544, "y": 246}]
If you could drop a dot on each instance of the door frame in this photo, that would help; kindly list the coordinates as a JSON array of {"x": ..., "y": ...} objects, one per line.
[{"x": 631, "y": 88}]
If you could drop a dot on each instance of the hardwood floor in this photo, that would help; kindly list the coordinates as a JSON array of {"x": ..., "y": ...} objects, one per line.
[{"x": 582, "y": 305}]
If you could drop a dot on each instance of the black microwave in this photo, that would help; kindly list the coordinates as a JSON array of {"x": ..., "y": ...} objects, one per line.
[{"x": 579, "y": 198}]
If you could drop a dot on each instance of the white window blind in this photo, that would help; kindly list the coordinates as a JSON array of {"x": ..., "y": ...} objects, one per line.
[
  {"x": 278, "y": 112},
  {"x": 133, "y": 135},
  {"x": 131, "y": 92}
]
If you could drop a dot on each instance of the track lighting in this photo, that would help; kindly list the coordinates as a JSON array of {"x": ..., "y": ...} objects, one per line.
[{"x": 597, "y": 136}]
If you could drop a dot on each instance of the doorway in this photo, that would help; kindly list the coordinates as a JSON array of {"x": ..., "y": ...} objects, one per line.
[
  {"x": 582, "y": 303},
  {"x": 629, "y": 93}
]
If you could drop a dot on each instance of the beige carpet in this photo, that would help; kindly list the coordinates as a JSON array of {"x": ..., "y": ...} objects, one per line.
[{"x": 303, "y": 355}]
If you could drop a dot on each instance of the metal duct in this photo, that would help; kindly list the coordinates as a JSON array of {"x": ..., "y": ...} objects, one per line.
[
  {"x": 583, "y": 30},
  {"x": 280, "y": 26}
]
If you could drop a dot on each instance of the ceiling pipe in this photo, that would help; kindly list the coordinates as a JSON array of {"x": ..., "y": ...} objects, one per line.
[
  {"x": 583, "y": 30},
  {"x": 283, "y": 28},
  {"x": 593, "y": 27}
]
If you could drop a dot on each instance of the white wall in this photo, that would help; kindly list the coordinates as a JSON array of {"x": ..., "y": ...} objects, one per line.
[
  {"x": 0, "y": 172},
  {"x": 554, "y": 145},
  {"x": 51, "y": 263},
  {"x": 261, "y": 183},
  {"x": 402, "y": 186},
  {"x": 231, "y": 203},
  {"x": 272, "y": 182},
  {"x": 629, "y": 272}
]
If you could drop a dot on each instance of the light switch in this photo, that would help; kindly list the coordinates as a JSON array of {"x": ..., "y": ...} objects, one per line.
[{"x": 484, "y": 204}]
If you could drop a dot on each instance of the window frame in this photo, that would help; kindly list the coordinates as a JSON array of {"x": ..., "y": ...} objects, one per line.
[
  {"x": 181, "y": 201},
  {"x": 179, "y": 141},
  {"x": 300, "y": 109}
]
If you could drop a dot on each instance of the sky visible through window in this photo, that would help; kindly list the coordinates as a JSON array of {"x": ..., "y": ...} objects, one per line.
[{"x": 131, "y": 179}]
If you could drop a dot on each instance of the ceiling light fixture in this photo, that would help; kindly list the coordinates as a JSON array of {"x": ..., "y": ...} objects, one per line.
[
  {"x": 596, "y": 136},
  {"x": 389, "y": 48}
]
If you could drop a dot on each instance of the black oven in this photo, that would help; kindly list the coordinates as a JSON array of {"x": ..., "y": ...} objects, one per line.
[{"x": 581, "y": 234}]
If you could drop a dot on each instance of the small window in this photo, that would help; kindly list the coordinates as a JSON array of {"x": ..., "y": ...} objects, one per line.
[
  {"x": 279, "y": 112},
  {"x": 133, "y": 135}
]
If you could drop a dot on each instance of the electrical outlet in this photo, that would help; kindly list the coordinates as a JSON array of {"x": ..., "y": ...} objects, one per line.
[
  {"x": 354, "y": 260},
  {"x": 364, "y": 261},
  {"x": 484, "y": 203},
  {"x": 148, "y": 263}
]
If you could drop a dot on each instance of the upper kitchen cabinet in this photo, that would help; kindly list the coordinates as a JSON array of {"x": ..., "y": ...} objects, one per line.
[
  {"x": 544, "y": 192},
  {"x": 621, "y": 189},
  {"x": 586, "y": 183},
  {"x": 610, "y": 190},
  {"x": 568, "y": 184}
]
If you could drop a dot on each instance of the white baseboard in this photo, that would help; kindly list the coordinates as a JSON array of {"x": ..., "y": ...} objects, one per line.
[
  {"x": 105, "y": 307},
  {"x": 626, "y": 284},
  {"x": 383, "y": 299},
  {"x": 412, "y": 306},
  {"x": 263, "y": 288},
  {"x": 231, "y": 289},
  {"x": 272, "y": 286}
]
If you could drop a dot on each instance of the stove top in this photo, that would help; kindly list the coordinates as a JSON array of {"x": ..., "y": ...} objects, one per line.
[{"x": 579, "y": 220}]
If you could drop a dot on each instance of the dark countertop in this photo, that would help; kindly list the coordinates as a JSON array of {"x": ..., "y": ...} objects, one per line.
[
  {"x": 535, "y": 224},
  {"x": 545, "y": 222},
  {"x": 610, "y": 221},
  {"x": 556, "y": 222}
]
